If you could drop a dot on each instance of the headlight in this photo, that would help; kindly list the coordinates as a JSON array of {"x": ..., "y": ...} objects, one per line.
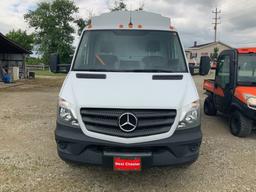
[
  {"x": 251, "y": 101},
  {"x": 66, "y": 113},
  {"x": 190, "y": 116}
]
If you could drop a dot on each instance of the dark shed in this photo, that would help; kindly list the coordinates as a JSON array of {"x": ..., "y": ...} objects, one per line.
[{"x": 12, "y": 55}]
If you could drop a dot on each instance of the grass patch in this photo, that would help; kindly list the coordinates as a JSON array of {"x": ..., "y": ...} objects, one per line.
[{"x": 48, "y": 73}]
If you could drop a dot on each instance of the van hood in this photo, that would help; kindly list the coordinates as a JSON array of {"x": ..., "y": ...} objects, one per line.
[{"x": 128, "y": 90}]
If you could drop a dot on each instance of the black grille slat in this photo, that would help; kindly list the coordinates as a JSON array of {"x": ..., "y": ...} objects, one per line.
[
  {"x": 155, "y": 123},
  {"x": 139, "y": 113},
  {"x": 120, "y": 133},
  {"x": 156, "y": 115},
  {"x": 150, "y": 121},
  {"x": 106, "y": 114},
  {"x": 100, "y": 121}
]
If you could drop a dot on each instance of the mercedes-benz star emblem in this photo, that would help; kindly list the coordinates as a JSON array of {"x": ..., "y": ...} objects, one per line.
[{"x": 128, "y": 122}]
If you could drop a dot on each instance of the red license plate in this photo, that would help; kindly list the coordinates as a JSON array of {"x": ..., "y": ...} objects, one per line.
[{"x": 125, "y": 164}]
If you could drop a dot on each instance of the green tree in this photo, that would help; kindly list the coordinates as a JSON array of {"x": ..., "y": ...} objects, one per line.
[
  {"x": 82, "y": 23},
  {"x": 141, "y": 6},
  {"x": 53, "y": 30},
  {"x": 22, "y": 38},
  {"x": 33, "y": 61},
  {"x": 215, "y": 53},
  {"x": 119, "y": 5}
]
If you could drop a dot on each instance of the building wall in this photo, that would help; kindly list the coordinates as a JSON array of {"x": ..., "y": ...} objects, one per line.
[
  {"x": 204, "y": 51},
  {"x": 13, "y": 60}
]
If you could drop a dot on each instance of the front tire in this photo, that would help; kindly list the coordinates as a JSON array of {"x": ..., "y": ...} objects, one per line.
[
  {"x": 209, "y": 107},
  {"x": 240, "y": 125}
]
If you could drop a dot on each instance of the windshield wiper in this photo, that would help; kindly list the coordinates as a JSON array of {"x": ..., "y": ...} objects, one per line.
[
  {"x": 96, "y": 70},
  {"x": 150, "y": 71},
  {"x": 135, "y": 70}
]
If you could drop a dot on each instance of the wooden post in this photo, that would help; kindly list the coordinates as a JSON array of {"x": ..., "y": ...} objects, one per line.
[{"x": 24, "y": 66}]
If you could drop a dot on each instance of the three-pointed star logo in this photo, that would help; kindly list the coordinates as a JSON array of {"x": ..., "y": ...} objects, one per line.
[{"x": 128, "y": 122}]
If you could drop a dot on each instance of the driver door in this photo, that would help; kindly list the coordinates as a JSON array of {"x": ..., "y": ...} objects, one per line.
[{"x": 223, "y": 79}]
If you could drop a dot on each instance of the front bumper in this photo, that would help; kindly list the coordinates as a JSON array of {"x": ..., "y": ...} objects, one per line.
[
  {"x": 249, "y": 113},
  {"x": 181, "y": 148}
]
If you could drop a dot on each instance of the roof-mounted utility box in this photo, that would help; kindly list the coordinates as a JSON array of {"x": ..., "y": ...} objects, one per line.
[{"x": 139, "y": 19}]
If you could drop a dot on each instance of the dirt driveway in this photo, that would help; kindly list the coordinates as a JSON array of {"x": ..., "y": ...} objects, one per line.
[{"x": 28, "y": 159}]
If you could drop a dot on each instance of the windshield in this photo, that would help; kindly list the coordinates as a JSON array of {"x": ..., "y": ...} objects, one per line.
[
  {"x": 247, "y": 68},
  {"x": 130, "y": 50}
]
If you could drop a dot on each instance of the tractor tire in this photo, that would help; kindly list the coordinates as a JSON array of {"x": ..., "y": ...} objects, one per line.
[
  {"x": 240, "y": 125},
  {"x": 209, "y": 107}
]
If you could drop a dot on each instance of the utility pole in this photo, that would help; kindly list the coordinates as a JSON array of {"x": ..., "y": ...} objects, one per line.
[{"x": 216, "y": 22}]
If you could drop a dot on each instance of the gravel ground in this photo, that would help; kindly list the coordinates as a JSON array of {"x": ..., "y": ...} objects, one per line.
[{"x": 28, "y": 159}]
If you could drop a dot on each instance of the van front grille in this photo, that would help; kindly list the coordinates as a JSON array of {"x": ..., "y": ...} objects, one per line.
[{"x": 149, "y": 121}]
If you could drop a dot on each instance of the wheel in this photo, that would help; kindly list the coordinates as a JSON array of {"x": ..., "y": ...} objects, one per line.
[
  {"x": 209, "y": 107},
  {"x": 240, "y": 125}
]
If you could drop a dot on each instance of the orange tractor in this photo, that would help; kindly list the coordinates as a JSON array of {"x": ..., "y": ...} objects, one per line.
[{"x": 233, "y": 91}]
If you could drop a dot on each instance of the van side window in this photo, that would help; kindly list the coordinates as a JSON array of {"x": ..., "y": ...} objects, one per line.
[{"x": 223, "y": 71}]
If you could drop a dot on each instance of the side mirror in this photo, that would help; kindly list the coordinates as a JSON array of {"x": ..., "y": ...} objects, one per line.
[
  {"x": 55, "y": 66},
  {"x": 64, "y": 68},
  {"x": 54, "y": 61},
  {"x": 205, "y": 65}
]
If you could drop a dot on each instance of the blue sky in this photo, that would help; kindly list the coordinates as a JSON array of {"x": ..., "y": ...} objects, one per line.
[{"x": 192, "y": 18}]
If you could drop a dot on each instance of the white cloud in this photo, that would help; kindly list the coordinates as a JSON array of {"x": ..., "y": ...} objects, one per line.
[
  {"x": 192, "y": 18},
  {"x": 11, "y": 14}
]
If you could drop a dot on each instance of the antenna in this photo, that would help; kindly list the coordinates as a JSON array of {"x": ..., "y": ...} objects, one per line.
[{"x": 130, "y": 18}]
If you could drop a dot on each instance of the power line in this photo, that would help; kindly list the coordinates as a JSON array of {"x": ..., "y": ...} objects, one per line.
[{"x": 216, "y": 22}]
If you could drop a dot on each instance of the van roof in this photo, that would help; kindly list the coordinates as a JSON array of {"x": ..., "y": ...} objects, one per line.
[{"x": 140, "y": 20}]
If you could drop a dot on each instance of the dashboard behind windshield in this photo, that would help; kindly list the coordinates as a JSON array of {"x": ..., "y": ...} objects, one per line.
[{"x": 130, "y": 50}]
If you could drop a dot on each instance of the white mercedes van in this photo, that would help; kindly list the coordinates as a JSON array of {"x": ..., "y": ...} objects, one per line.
[{"x": 129, "y": 101}]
